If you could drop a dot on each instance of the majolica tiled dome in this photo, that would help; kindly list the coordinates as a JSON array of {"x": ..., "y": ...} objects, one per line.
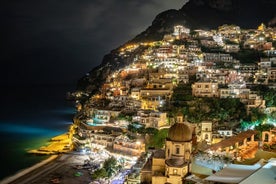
[{"x": 180, "y": 132}]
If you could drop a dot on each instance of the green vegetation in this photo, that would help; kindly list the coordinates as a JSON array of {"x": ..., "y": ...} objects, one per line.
[
  {"x": 227, "y": 109},
  {"x": 100, "y": 173},
  {"x": 270, "y": 98},
  {"x": 181, "y": 94},
  {"x": 212, "y": 49},
  {"x": 154, "y": 137},
  {"x": 123, "y": 116},
  {"x": 258, "y": 120},
  {"x": 264, "y": 127},
  {"x": 136, "y": 127},
  {"x": 157, "y": 140},
  {"x": 110, "y": 167},
  {"x": 248, "y": 55},
  {"x": 256, "y": 115},
  {"x": 268, "y": 94}
]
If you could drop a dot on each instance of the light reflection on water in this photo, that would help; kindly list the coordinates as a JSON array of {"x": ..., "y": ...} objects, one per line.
[
  {"x": 26, "y": 129},
  {"x": 28, "y": 119}
]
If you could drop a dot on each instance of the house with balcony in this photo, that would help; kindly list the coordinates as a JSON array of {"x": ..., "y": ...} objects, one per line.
[
  {"x": 254, "y": 101},
  {"x": 205, "y": 89},
  {"x": 123, "y": 145},
  {"x": 152, "y": 119}
]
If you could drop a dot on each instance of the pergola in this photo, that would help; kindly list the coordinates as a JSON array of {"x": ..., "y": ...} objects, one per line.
[{"x": 240, "y": 141}]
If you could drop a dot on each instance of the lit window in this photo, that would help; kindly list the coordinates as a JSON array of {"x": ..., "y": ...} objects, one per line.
[{"x": 175, "y": 171}]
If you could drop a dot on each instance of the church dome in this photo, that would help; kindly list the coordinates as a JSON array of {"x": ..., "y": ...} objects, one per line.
[
  {"x": 175, "y": 162},
  {"x": 180, "y": 132}
]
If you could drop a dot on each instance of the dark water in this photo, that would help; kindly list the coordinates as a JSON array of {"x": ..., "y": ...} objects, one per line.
[{"x": 29, "y": 117}]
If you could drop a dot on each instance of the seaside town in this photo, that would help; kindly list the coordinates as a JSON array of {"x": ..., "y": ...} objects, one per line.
[{"x": 198, "y": 106}]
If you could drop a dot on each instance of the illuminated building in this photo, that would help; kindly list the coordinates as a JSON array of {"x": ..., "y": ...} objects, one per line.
[
  {"x": 152, "y": 119},
  {"x": 228, "y": 30},
  {"x": 269, "y": 137},
  {"x": 180, "y": 31},
  {"x": 123, "y": 145},
  {"x": 152, "y": 102},
  {"x": 218, "y": 57},
  {"x": 148, "y": 92},
  {"x": 254, "y": 101},
  {"x": 231, "y": 48},
  {"x": 172, "y": 164},
  {"x": 205, "y": 89},
  {"x": 206, "y": 131},
  {"x": 240, "y": 146}
]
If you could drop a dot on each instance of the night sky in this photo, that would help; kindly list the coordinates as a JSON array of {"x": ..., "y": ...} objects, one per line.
[{"x": 58, "y": 41}]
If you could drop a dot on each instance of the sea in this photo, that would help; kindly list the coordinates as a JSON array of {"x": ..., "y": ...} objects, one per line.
[{"x": 29, "y": 117}]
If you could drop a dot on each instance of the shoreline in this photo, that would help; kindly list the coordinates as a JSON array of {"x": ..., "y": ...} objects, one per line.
[
  {"x": 57, "y": 168},
  {"x": 23, "y": 172},
  {"x": 56, "y": 145},
  {"x": 54, "y": 149}
]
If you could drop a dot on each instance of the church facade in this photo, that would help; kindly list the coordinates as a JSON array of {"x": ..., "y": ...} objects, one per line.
[{"x": 173, "y": 163}]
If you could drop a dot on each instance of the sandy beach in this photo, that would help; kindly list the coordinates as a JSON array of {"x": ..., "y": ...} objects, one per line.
[
  {"x": 56, "y": 169},
  {"x": 60, "y": 167}
]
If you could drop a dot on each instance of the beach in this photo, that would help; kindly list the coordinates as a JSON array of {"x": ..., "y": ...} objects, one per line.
[
  {"x": 30, "y": 117},
  {"x": 56, "y": 169},
  {"x": 60, "y": 167}
]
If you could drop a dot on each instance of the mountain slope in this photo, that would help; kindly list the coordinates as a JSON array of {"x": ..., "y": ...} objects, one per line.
[
  {"x": 204, "y": 14},
  {"x": 210, "y": 14}
]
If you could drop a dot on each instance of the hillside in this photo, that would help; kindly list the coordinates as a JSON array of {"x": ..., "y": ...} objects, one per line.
[{"x": 196, "y": 14}]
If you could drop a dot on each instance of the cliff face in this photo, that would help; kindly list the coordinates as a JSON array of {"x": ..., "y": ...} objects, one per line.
[
  {"x": 210, "y": 14},
  {"x": 203, "y": 14},
  {"x": 245, "y": 13}
]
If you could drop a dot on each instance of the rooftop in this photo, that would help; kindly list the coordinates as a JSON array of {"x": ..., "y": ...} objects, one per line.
[{"x": 232, "y": 140}]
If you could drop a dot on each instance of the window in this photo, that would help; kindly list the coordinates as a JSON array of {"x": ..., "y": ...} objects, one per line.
[
  {"x": 175, "y": 171},
  {"x": 177, "y": 151}
]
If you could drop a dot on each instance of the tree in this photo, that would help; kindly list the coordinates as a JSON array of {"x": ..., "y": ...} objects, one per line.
[
  {"x": 158, "y": 140},
  {"x": 100, "y": 173},
  {"x": 111, "y": 166},
  {"x": 152, "y": 131},
  {"x": 264, "y": 127},
  {"x": 257, "y": 115},
  {"x": 131, "y": 128},
  {"x": 270, "y": 98}
]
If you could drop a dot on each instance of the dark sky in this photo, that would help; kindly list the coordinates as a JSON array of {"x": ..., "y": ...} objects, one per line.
[{"x": 58, "y": 41}]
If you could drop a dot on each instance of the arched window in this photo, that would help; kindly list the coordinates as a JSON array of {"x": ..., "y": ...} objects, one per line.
[{"x": 177, "y": 150}]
